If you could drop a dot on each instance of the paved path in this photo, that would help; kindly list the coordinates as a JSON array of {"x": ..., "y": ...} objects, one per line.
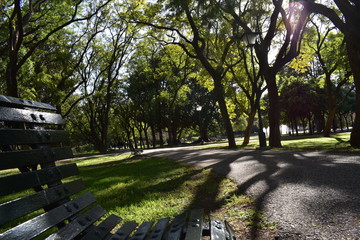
[{"x": 310, "y": 195}]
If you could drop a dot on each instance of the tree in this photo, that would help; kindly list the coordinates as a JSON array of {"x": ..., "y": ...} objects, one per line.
[
  {"x": 300, "y": 101},
  {"x": 201, "y": 31},
  {"x": 330, "y": 50},
  {"x": 345, "y": 15},
  {"x": 285, "y": 27},
  {"x": 30, "y": 24},
  {"x": 248, "y": 78},
  {"x": 101, "y": 71}
]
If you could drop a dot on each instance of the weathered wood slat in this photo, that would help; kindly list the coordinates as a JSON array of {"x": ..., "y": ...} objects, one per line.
[
  {"x": 217, "y": 229},
  {"x": 124, "y": 231},
  {"x": 18, "y": 102},
  {"x": 176, "y": 228},
  {"x": 22, "y": 206},
  {"x": 29, "y": 116},
  {"x": 16, "y": 159},
  {"x": 103, "y": 229},
  {"x": 78, "y": 225},
  {"x": 45, "y": 221},
  {"x": 229, "y": 231},
  {"x": 195, "y": 225},
  {"x": 158, "y": 230},
  {"x": 23, "y": 181},
  {"x": 26, "y": 137},
  {"x": 141, "y": 232}
]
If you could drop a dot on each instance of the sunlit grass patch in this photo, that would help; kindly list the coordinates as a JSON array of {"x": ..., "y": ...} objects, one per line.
[
  {"x": 147, "y": 189},
  {"x": 335, "y": 143},
  {"x": 339, "y": 142}
]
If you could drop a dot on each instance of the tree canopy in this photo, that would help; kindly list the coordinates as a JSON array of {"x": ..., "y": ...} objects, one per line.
[{"x": 149, "y": 73}]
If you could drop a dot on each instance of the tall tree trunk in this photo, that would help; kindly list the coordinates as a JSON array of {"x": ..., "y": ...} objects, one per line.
[
  {"x": 329, "y": 122},
  {"x": 341, "y": 122},
  {"x": 274, "y": 111},
  {"x": 161, "y": 139},
  {"x": 219, "y": 92},
  {"x": 11, "y": 79},
  {"x": 304, "y": 126},
  {"x": 146, "y": 137},
  {"x": 347, "y": 121},
  {"x": 353, "y": 49},
  {"x": 134, "y": 138},
  {"x": 331, "y": 105},
  {"x": 249, "y": 127},
  {"x": 310, "y": 126},
  {"x": 204, "y": 134},
  {"x": 153, "y": 134}
]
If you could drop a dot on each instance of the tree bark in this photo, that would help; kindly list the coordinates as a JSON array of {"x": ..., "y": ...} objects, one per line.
[
  {"x": 153, "y": 134},
  {"x": 329, "y": 122},
  {"x": 11, "y": 80},
  {"x": 249, "y": 127},
  {"x": 274, "y": 111},
  {"x": 353, "y": 49},
  {"x": 204, "y": 134},
  {"x": 219, "y": 92}
]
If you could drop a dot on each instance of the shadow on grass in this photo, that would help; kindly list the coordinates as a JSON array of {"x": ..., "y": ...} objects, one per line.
[{"x": 140, "y": 189}]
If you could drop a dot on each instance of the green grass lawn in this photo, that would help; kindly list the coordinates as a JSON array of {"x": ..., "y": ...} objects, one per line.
[
  {"x": 335, "y": 143},
  {"x": 145, "y": 189}
]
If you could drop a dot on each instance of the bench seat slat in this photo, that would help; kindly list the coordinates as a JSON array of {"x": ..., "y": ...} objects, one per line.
[
  {"x": 17, "y": 102},
  {"x": 159, "y": 229},
  {"x": 195, "y": 225},
  {"x": 29, "y": 116},
  {"x": 217, "y": 229},
  {"x": 141, "y": 232},
  {"x": 22, "y": 206},
  {"x": 45, "y": 221},
  {"x": 23, "y": 181},
  {"x": 124, "y": 231},
  {"x": 103, "y": 229},
  {"x": 10, "y": 136},
  {"x": 176, "y": 228},
  {"x": 15, "y": 159},
  {"x": 79, "y": 224}
]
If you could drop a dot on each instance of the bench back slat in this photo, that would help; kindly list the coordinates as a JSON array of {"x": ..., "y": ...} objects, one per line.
[
  {"x": 217, "y": 229},
  {"x": 36, "y": 226},
  {"x": 29, "y": 116},
  {"x": 141, "y": 232},
  {"x": 159, "y": 229},
  {"x": 32, "y": 136},
  {"x": 195, "y": 224},
  {"x": 17, "y": 102},
  {"x": 124, "y": 231},
  {"x": 78, "y": 225},
  {"x": 20, "y": 207},
  {"x": 176, "y": 228},
  {"x": 18, "y": 159},
  {"x": 31, "y": 141},
  {"x": 103, "y": 229},
  {"x": 19, "y": 182}
]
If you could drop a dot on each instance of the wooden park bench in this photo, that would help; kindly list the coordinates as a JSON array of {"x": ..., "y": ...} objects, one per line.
[{"x": 36, "y": 203}]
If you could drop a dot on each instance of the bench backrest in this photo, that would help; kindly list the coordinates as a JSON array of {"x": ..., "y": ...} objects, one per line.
[{"x": 33, "y": 198}]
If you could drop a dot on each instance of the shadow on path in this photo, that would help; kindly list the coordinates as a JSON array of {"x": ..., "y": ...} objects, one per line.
[{"x": 309, "y": 195}]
